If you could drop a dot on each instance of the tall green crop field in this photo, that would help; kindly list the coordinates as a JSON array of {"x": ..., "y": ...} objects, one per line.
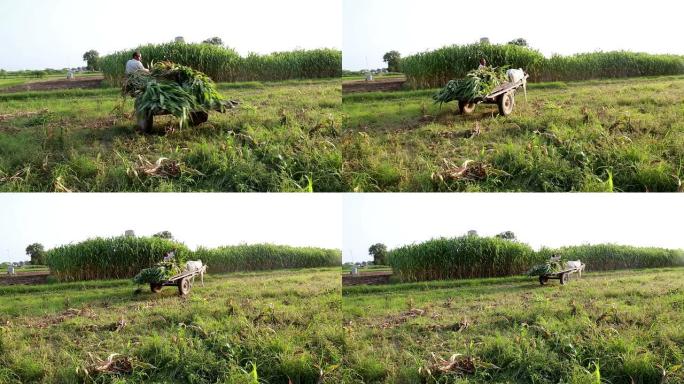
[
  {"x": 461, "y": 258},
  {"x": 255, "y": 257},
  {"x": 605, "y": 257},
  {"x": 435, "y": 68},
  {"x": 226, "y": 65},
  {"x": 474, "y": 256},
  {"x": 109, "y": 258}
]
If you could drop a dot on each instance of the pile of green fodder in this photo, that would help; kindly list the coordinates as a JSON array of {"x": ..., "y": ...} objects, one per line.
[
  {"x": 158, "y": 273},
  {"x": 605, "y": 257},
  {"x": 175, "y": 89},
  {"x": 477, "y": 83},
  {"x": 460, "y": 258},
  {"x": 226, "y": 65},
  {"x": 551, "y": 266},
  {"x": 435, "y": 68},
  {"x": 255, "y": 257},
  {"x": 110, "y": 258}
]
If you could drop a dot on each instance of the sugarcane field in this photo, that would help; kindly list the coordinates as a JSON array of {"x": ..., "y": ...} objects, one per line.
[
  {"x": 171, "y": 107},
  {"x": 423, "y": 303},
  {"x": 474, "y": 107},
  {"x": 195, "y": 303}
]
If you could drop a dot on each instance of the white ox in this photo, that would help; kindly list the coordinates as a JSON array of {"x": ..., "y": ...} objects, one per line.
[
  {"x": 515, "y": 75},
  {"x": 576, "y": 264},
  {"x": 196, "y": 266}
]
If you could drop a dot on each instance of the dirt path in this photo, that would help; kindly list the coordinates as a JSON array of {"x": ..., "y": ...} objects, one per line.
[
  {"x": 25, "y": 278},
  {"x": 85, "y": 82},
  {"x": 369, "y": 278},
  {"x": 391, "y": 84}
]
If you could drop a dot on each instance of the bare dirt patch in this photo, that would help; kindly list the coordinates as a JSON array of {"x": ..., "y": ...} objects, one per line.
[
  {"x": 382, "y": 85},
  {"x": 50, "y": 85},
  {"x": 369, "y": 278},
  {"x": 25, "y": 278}
]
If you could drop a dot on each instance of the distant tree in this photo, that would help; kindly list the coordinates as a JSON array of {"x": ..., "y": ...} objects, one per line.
[
  {"x": 164, "y": 235},
  {"x": 92, "y": 57},
  {"x": 3, "y": 73},
  {"x": 507, "y": 235},
  {"x": 37, "y": 253},
  {"x": 472, "y": 232},
  {"x": 519, "y": 41},
  {"x": 392, "y": 58},
  {"x": 379, "y": 253},
  {"x": 213, "y": 41},
  {"x": 38, "y": 74}
]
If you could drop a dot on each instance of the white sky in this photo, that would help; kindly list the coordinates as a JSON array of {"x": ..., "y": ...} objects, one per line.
[
  {"x": 374, "y": 27},
  {"x": 196, "y": 219},
  {"x": 536, "y": 218},
  {"x": 37, "y": 34}
]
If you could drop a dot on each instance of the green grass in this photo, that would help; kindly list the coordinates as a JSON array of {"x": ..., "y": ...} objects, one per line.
[
  {"x": 11, "y": 81},
  {"x": 601, "y": 135},
  {"x": 287, "y": 323},
  {"x": 282, "y": 138},
  {"x": 627, "y": 323},
  {"x": 26, "y": 268},
  {"x": 375, "y": 77}
]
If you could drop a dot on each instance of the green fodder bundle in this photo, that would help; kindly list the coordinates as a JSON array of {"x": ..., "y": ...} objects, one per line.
[
  {"x": 460, "y": 258},
  {"x": 478, "y": 83},
  {"x": 604, "y": 257},
  {"x": 226, "y": 65},
  {"x": 157, "y": 274},
  {"x": 255, "y": 257},
  {"x": 110, "y": 258},
  {"x": 435, "y": 68},
  {"x": 173, "y": 88},
  {"x": 546, "y": 268}
]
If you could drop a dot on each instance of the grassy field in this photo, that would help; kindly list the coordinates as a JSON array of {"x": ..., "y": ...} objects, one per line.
[
  {"x": 282, "y": 138},
  {"x": 376, "y": 77},
  {"x": 285, "y": 323},
  {"x": 26, "y": 268},
  {"x": 608, "y": 327},
  {"x": 608, "y": 135},
  {"x": 10, "y": 81}
]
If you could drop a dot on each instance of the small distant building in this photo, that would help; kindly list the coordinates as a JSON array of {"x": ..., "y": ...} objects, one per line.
[
  {"x": 129, "y": 233},
  {"x": 484, "y": 40},
  {"x": 179, "y": 39}
]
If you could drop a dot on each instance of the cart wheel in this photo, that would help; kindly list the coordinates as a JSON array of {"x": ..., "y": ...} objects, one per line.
[
  {"x": 564, "y": 278},
  {"x": 197, "y": 118},
  {"x": 543, "y": 280},
  {"x": 145, "y": 123},
  {"x": 465, "y": 107},
  {"x": 156, "y": 288},
  {"x": 505, "y": 103},
  {"x": 184, "y": 287}
]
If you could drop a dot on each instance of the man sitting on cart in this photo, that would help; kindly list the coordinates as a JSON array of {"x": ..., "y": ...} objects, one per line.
[
  {"x": 134, "y": 64},
  {"x": 170, "y": 256}
]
